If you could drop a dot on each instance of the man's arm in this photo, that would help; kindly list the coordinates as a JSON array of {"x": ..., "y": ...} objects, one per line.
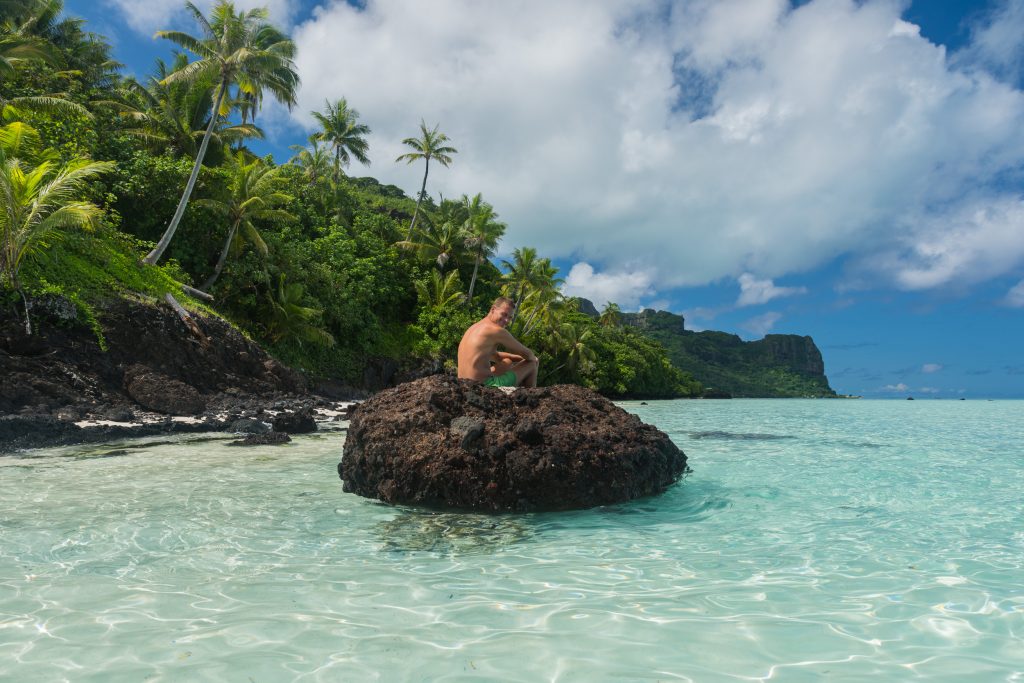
[
  {"x": 502, "y": 355},
  {"x": 505, "y": 338}
]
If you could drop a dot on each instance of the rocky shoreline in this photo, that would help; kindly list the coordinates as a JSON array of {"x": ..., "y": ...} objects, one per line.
[{"x": 156, "y": 376}]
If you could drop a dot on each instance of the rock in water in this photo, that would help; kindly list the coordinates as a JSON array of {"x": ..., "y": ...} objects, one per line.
[
  {"x": 300, "y": 421},
  {"x": 441, "y": 441}
]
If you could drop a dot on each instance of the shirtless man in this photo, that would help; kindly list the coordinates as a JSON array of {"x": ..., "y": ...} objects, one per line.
[{"x": 480, "y": 359}]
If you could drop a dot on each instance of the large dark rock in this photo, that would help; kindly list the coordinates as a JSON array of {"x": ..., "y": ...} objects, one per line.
[
  {"x": 444, "y": 442},
  {"x": 161, "y": 393}
]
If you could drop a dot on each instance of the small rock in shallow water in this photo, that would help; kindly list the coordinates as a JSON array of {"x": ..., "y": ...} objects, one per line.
[
  {"x": 299, "y": 422},
  {"x": 265, "y": 439},
  {"x": 248, "y": 426}
]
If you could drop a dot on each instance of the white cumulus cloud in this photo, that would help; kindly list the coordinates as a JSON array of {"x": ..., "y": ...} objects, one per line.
[
  {"x": 692, "y": 140},
  {"x": 761, "y": 325},
  {"x": 997, "y": 42},
  {"x": 754, "y": 291},
  {"x": 625, "y": 288},
  {"x": 901, "y": 387},
  {"x": 930, "y": 368},
  {"x": 982, "y": 238},
  {"x": 1015, "y": 297}
]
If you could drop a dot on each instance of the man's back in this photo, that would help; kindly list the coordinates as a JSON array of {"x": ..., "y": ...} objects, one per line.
[{"x": 476, "y": 350}]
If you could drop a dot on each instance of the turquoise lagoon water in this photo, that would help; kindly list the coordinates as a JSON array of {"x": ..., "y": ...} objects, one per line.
[{"x": 815, "y": 540}]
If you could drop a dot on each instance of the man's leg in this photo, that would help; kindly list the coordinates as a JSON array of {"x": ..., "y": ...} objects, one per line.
[{"x": 526, "y": 373}]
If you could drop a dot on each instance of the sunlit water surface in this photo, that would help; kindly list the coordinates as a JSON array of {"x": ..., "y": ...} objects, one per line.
[{"x": 815, "y": 540}]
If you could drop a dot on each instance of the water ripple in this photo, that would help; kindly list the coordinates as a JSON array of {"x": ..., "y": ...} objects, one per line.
[{"x": 818, "y": 556}]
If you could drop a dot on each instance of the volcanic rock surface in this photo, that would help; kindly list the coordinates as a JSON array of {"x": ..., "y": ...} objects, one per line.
[{"x": 445, "y": 442}]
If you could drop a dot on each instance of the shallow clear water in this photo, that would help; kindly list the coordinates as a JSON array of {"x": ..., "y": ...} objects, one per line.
[{"x": 839, "y": 540}]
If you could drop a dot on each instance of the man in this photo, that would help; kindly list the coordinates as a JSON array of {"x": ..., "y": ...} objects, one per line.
[{"x": 480, "y": 359}]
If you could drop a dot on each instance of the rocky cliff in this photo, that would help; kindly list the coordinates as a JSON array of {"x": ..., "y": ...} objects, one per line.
[{"x": 778, "y": 366}]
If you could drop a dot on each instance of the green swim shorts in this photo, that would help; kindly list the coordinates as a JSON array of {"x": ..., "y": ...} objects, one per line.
[{"x": 506, "y": 380}]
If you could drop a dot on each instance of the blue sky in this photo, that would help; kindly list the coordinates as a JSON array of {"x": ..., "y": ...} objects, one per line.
[{"x": 847, "y": 170}]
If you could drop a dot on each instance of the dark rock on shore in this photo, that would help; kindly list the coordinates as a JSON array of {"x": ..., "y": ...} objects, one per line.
[
  {"x": 152, "y": 367},
  {"x": 160, "y": 393},
  {"x": 18, "y": 432},
  {"x": 300, "y": 421},
  {"x": 444, "y": 442}
]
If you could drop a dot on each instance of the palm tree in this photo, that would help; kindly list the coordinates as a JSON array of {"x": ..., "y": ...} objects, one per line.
[
  {"x": 441, "y": 244},
  {"x": 574, "y": 340},
  {"x": 315, "y": 161},
  {"x": 38, "y": 200},
  {"x": 482, "y": 232},
  {"x": 236, "y": 47},
  {"x": 16, "y": 48},
  {"x": 532, "y": 283},
  {"x": 611, "y": 316},
  {"x": 85, "y": 55},
  {"x": 255, "y": 195},
  {"x": 523, "y": 274},
  {"x": 347, "y": 137},
  {"x": 441, "y": 292},
  {"x": 27, "y": 30},
  {"x": 289, "y": 319},
  {"x": 175, "y": 115},
  {"x": 430, "y": 145}
]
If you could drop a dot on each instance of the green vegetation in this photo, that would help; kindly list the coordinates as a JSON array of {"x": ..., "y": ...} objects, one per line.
[{"x": 331, "y": 273}]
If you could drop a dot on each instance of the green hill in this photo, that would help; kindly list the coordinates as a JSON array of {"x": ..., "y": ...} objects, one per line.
[{"x": 778, "y": 366}]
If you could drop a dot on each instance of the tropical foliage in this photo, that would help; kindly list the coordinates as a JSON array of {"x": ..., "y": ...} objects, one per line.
[{"x": 334, "y": 274}]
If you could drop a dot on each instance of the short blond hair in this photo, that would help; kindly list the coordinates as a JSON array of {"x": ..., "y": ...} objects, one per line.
[{"x": 501, "y": 301}]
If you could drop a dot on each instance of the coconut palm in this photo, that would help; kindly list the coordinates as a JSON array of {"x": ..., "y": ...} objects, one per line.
[
  {"x": 533, "y": 284},
  {"x": 36, "y": 202},
  {"x": 611, "y": 316},
  {"x": 289, "y": 319},
  {"x": 482, "y": 231},
  {"x": 523, "y": 274},
  {"x": 83, "y": 54},
  {"x": 238, "y": 48},
  {"x": 441, "y": 244},
  {"x": 26, "y": 29},
  {"x": 16, "y": 48},
  {"x": 574, "y": 341},
  {"x": 430, "y": 145},
  {"x": 176, "y": 115},
  {"x": 314, "y": 160},
  {"x": 344, "y": 134},
  {"x": 255, "y": 195},
  {"x": 440, "y": 292}
]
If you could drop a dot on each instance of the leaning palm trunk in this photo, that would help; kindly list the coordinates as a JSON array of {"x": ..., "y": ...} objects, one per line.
[
  {"x": 423, "y": 191},
  {"x": 472, "y": 281},
  {"x": 28, "y": 319},
  {"x": 223, "y": 258},
  {"x": 158, "y": 251}
]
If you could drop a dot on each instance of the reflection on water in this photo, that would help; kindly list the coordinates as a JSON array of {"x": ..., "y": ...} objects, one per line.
[{"x": 451, "y": 533}]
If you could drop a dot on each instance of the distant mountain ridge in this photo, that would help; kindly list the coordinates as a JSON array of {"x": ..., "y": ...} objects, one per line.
[{"x": 778, "y": 366}]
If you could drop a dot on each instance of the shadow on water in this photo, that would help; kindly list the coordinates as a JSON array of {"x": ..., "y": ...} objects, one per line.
[
  {"x": 452, "y": 533},
  {"x": 738, "y": 436}
]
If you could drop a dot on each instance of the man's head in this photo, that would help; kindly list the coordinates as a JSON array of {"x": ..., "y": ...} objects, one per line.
[{"x": 501, "y": 311}]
